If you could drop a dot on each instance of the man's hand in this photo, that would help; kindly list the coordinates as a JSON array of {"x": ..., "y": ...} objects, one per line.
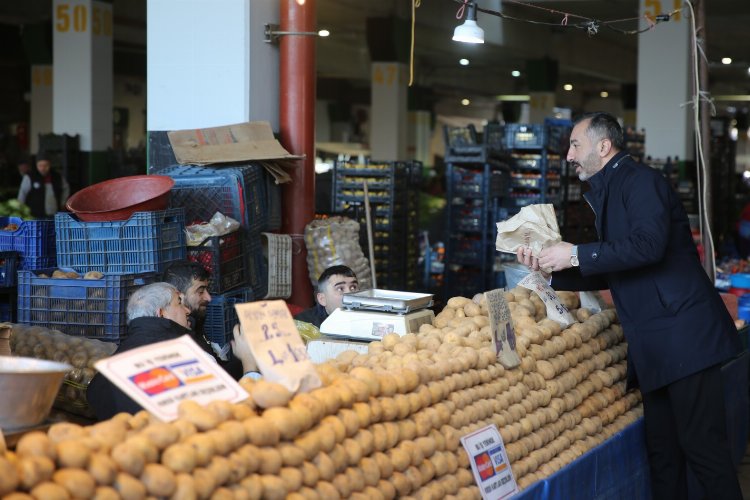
[
  {"x": 557, "y": 257},
  {"x": 241, "y": 350},
  {"x": 523, "y": 254}
]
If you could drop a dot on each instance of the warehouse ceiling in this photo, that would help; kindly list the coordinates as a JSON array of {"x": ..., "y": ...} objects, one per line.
[{"x": 591, "y": 63}]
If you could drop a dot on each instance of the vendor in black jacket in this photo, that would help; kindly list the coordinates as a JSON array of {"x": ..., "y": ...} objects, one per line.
[
  {"x": 333, "y": 283},
  {"x": 677, "y": 327},
  {"x": 43, "y": 190},
  {"x": 155, "y": 314}
]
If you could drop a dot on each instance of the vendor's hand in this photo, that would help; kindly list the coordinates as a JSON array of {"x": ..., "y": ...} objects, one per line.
[
  {"x": 556, "y": 258},
  {"x": 241, "y": 350},
  {"x": 523, "y": 254}
]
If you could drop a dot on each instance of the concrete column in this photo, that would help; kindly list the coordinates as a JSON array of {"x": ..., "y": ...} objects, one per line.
[
  {"x": 208, "y": 64},
  {"x": 82, "y": 77},
  {"x": 541, "y": 106},
  {"x": 388, "y": 126},
  {"x": 664, "y": 82},
  {"x": 419, "y": 137},
  {"x": 41, "y": 104}
]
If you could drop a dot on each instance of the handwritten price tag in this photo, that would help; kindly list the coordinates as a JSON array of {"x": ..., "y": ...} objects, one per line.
[
  {"x": 556, "y": 310},
  {"x": 276, "y": 345},
  {"x": 503, "y": 336}
]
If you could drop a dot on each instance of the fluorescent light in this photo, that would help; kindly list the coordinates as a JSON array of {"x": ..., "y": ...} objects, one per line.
[
  {"x": 465, "y": 102},
  {"x": 568, "y": 87},
  {"x": 726, "y": 60},
  {"x": 604, "y": 94},
  {"x": 515, "y": 73},
  {"x": 463, "y": 61},
  {"x": 469, "y": 31},
  {"x": 324, "y": 33},
  {"x": 513, "y": 98}
]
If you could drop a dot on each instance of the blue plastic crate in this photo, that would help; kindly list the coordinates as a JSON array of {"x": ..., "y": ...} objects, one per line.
[
  {"x": 6, "y": 312},
  {"x": 221, "y": 315},
  {"x": 85, "y": 308},
  {"x": 224, "y": 258},
  {"x": 34, "y": 240},
  {"x": 519, "y": 136},
  {"x": 237, "y": 192},
  {"x": 8, "y": 266},
  {"x": 147, "y": 241}
]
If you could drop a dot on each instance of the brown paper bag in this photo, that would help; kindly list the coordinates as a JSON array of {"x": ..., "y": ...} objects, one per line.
[{"x": 535, "y": 226}]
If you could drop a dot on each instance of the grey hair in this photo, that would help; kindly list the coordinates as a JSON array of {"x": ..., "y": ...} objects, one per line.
[
  {"x": 147, "y": 300},
  {"x": 603, "y": 126}
]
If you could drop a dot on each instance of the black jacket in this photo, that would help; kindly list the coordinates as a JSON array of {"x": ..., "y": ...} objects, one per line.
[
  {"x": 673, "y": 318},
  {"x": 104, "y": 398},
  {"x": 315, "y": 315},
  {"x": 36, "y": 197},
  {"x": 232, "y": 366}
]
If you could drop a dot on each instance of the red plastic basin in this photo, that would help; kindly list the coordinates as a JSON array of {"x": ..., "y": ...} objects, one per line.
[{"x": 118, "y": 199}]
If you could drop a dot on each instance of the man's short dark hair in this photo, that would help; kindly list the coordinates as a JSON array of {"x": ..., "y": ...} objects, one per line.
[
  {"x": 603, "y": 126},
  {"x": 42, "y": 156},
  {"x": 182, "y": 273},
  {"x": 333, "y": 271}
]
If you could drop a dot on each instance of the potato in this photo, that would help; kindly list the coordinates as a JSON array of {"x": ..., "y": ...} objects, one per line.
[
  {"x": 274, "y": 487},
  {"x": 270, "y": 460},
  {"x": 93, "y": 275},
  {"x": 78, "y": 483},
  {"x": 158, "y": 480},
  {"x": 128, "y": 458},
  {"x": 102, "y": 468},
  {"x": 202, "y": 418},
  {"x": 36, "y": 444},
  {"x": 261, "y": 432},
  {"x": 73, "y": 454},
  {"x": 203, "y": 448},
  {"x": 46, "y": 491},
  {"x": 220, "y": 468},
  {"x": 285, "y": 420},
  {"x": 204, "y": 482},
  {"x": 161, "y": 434},
  {"x": 62, "y": 431},
  {"x": 291, "y": 455},
  {"x": 327, "y": 490},
  {"x": 325, "y": 465},
  {"x": 292, "y": 478},
  {"x": 310, "y": 474},
  {"x": 34, "y": 470}
]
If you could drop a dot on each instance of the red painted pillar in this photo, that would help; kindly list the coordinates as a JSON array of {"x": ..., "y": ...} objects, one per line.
[{"x": 297, "y": 128}]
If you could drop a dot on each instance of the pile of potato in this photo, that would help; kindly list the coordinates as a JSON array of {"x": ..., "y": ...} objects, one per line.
[
  {"x": 385, "y": 424},
  {"x": 81, "y": 353}
]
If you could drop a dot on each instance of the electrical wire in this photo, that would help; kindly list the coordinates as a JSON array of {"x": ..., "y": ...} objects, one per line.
[
  {"x": 414, "y": 5},
  {"x": 700, "y": 161}
]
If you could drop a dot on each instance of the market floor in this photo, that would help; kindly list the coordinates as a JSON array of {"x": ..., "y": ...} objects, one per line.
[{"x": 743, "y": 473}]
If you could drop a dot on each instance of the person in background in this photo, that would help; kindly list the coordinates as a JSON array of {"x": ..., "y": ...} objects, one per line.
[
  {"x": 678, "y": 330},
  {"x": 155, "y": 313},
  {"x": 24, "y": 167},
  {"x": 43, "y": 190},
  {"x": 191, "y": 279},
  {"x": 333, "y": 283}
]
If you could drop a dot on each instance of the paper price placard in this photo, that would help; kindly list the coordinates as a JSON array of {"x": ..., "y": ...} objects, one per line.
[
  {"x": 489, "y": 463},
  {"x": 278, "y": 349},
  {"x": 556, "y": 310},
  {"x": 160, "y": 376},
  {"x": 501, "y": 326}
]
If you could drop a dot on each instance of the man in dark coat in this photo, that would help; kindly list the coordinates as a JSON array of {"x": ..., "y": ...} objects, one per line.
[
  {"x": 333, "y": 283},
  {"x": 43, "y": 190},
  {"x": 677, "y": 327},
  {"x": 155, "y": 314}
]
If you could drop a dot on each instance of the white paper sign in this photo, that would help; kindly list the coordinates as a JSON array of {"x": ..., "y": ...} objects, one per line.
[
  {"x": 593, "y": 301},
  {"x": 489, "y": 463},
  {"x": 501, "y": 326},
  {"x": 276, "y": 345},
  {"x": 159, "y": 376},
  {"x": 556, "y": 310}
]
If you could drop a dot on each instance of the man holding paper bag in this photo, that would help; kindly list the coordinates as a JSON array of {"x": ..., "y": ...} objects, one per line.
[{"x": 677, "y": 328}]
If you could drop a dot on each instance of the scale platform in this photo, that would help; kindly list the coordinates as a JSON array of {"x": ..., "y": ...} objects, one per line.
[
  {"x": 327, "y": 348},
  {"x": 371, "y": 314}
]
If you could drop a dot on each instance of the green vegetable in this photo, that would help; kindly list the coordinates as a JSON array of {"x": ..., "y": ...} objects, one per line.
[{"x": 14, "y": 208}]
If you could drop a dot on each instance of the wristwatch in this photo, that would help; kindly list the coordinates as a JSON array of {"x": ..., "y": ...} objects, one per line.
[{"x": 574, "y": 256}]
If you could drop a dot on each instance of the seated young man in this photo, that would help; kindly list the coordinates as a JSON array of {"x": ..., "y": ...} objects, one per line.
[{"x": 332, "y": 285}]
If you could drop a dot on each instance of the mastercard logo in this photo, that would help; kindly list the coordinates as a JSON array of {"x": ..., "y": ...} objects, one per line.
[
  {"x": 156, "y": 381},
  {"x": 484, "y": 466}
]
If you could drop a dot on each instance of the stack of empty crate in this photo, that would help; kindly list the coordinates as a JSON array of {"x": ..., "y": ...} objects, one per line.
[
  {"x": 244, "y": 192},
  {"x": 24, "y": 245},
  {"x": 393, "y": 195},
  {"x": 128, "y": 254}
]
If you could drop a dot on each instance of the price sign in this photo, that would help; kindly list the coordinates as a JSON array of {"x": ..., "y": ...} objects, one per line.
[
  {"x": 501, "y": 326},
  {"x": 159, "y": 376},
  {"x": 489, "y": 463},
  {"x": 556, "y": 310},
  {"x": 276, "y": 345}
]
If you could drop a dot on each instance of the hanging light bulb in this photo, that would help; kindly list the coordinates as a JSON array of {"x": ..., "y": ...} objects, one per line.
[{"x": 469, "y": 31}]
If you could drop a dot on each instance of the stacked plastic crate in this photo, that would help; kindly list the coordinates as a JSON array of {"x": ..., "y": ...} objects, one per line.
[
  {"x": 477, "y": 177},
  {"x": 24, "y": 245},
  {"x": 128, "y": 254},
  {"x": 392, "y": 189}
]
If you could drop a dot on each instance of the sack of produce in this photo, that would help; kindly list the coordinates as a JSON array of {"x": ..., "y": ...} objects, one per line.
[
  {"x": 535, "y": 226},
  {"x": 42, "y": 343},
  {"x": 335, "y": 241}
]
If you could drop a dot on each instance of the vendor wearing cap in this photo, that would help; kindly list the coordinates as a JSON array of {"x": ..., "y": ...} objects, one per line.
[{"x": 332, "y": 285}]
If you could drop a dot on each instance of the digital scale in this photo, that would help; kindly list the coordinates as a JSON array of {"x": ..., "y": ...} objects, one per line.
[{"x": 369, "y": 315}]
